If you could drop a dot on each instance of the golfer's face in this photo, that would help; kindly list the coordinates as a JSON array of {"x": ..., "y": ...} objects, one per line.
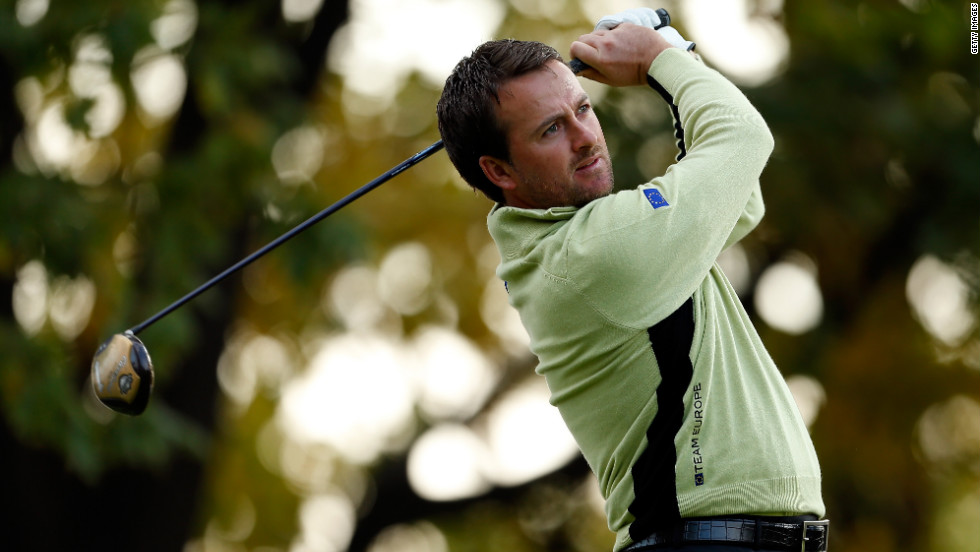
[{"x": 558, "y": 153}]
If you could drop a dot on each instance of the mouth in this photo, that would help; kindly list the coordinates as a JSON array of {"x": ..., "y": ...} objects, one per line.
[{"x": 590, "y": 163}]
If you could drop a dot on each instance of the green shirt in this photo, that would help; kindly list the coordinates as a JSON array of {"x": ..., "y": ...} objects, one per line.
[{"x": 649, "y": 355}]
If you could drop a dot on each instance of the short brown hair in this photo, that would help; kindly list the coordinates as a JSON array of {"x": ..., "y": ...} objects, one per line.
[{"x": 467, "y": 112}]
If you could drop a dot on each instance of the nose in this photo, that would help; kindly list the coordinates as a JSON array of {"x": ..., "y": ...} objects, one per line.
[{"x": 584, "y": 136}]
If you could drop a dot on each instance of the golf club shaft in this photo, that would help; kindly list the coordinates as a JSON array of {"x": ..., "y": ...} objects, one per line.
[
  {"x": 576, "y": 65},
  {"x": 282, "y": 239}
]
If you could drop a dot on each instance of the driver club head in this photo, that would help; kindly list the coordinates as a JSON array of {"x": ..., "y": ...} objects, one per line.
[{"x": 122, "y": 374}]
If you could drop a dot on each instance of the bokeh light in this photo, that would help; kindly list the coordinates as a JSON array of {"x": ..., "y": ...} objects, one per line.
[
  {"x": 356, "y": 396},
  {"x": 298, "y": 154},
  {"x": 90, "y": 77},
  {"x": 29, "y": 12},
  {"x": 253, "y": 362},
  {"x": 326, "y": 523},
  {"x": 446, "y": 463},
  {"x": 740, "y": 37},
  {"x": 352, "y": 297},
  {"x": 442, "y": 31},
  {"x": 940, "y": 300},
  {"x": 70, "y": 305},
  {"x": 526, "y": 436},
  {"x": 503, "y": 319},
  {"x": 454, "y": 376},
  {"x": 160, "y": 81},
  {"x": 788, "y": 297},
  {"x": 947, "y": 435},
  {"x": 809, "y": 394},
  {"x": 298, "y": 11},
  {"x": 405, "y": 278},
  {"x": 421, "y": 536},
  {"x": 176, "y": 24},
  {"x": 30, "y": 297},
  {"x": 734, "y": 262}
]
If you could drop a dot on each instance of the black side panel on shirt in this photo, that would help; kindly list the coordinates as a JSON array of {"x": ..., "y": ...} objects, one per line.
[
  {"x": 678, "y": 129},
  {"x": 654, "y": 479}
]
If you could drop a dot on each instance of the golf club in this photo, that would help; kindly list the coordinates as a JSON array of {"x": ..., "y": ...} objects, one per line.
[{"x": 122, "y": 372}]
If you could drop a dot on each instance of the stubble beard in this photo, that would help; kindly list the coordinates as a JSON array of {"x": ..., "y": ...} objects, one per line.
[
  {"x": 583, "y": 196},
  {"x": 565, "y": 191}
]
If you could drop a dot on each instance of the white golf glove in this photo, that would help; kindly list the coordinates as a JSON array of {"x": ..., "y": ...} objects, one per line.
[{"x": 657, "y": 20}]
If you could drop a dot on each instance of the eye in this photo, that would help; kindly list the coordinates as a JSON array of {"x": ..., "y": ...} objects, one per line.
[
  {"x": 551, "y": 129},
  {"x": 584, "y": 108}
]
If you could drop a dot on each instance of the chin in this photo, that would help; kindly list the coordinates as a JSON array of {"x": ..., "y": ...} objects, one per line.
[{"x": 598, "y": 194}]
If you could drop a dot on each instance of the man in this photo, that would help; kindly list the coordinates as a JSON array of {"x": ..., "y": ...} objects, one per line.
[{"x": 650, "y": 358}]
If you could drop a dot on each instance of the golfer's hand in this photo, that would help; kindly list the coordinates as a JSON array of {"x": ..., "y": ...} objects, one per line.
[
  {"x": 621, "y": 56},
  {"x": 646, "y": 17}
]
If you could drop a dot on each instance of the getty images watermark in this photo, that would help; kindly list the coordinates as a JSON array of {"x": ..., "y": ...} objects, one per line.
[{"x": 974, "y": 43}]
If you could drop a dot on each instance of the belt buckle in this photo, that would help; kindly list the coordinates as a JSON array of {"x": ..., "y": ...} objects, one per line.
[{"x": 825, "y": 523}]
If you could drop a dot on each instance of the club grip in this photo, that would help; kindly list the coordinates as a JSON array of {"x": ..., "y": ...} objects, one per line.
[{"x": 577, "y": 66}]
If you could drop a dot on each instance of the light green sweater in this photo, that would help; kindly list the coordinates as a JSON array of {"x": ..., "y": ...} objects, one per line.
[{"x": 609, "y": 291}]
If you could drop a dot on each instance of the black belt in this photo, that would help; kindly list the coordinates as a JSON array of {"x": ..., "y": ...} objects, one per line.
[{"x": 807, "y": 536}]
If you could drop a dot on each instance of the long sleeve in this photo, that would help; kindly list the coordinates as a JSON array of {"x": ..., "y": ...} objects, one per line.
[{"x": 661, "y": 239}]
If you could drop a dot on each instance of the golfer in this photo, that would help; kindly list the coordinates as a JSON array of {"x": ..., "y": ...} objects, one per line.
[{"x": 657, "y": 370}]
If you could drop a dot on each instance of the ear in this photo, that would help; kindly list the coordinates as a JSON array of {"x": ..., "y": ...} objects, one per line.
[{"x": 499, "y": 172}]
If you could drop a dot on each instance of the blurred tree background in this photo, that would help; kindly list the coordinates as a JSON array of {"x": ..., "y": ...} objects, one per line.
[{"x": 365, "y": 386}]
